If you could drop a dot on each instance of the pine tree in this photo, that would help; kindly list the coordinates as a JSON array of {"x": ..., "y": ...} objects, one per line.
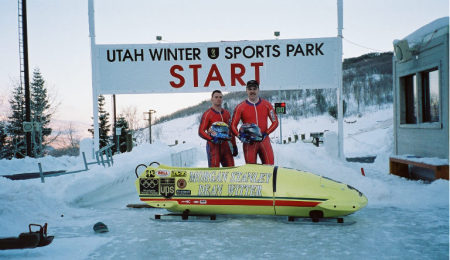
[
  {"x": 103, "y": 122},
  {"x": 17, "y": 141},
  {"x": 122, "y": 123},
  {"x": 104, "y": 126},
  {"x": 321, "y": 103},
  {"x": 4, "y": 151},
  {"x": 40, "y": 112}
]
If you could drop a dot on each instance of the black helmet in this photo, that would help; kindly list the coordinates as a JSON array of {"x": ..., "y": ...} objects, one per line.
[
  {"x": 249, "y": 133},
  {"x": 100, "y": 227}
]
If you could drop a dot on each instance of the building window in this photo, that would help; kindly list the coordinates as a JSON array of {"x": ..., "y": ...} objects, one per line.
[
  {"x": 430, "y": 96},
  {"x": 420, "y": 97},
  {"x": 409, "y": 104}
]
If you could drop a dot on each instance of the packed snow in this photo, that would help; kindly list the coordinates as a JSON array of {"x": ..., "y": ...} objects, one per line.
[{"x": 404, "y": 219}]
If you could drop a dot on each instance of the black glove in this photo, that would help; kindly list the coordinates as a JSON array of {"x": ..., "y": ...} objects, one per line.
[
  {"x": 264, "y": 135},
  {"x": 216, "y": 140},
  {"x": 243, "y": 138},
  {"x": 235, "y": 151}
]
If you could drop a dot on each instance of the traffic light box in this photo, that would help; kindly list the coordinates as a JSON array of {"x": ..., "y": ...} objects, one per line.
[{"x": 280, "y": 108}]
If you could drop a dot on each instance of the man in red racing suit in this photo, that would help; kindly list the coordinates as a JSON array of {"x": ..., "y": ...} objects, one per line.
[
  {"x": 256, "y": 110},
  {"x": 218, "y": 151}
]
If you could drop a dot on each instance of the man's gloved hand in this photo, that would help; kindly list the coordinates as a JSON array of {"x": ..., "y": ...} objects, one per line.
[
  {"x": 215, "y": 140},
  {"x": 264, "y": 135},
  {"x": 243, "y": 138},
  {"x": 235, "y": 151}
]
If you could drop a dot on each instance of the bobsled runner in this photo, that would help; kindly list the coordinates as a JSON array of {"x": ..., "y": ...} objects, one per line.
[
  {"x": 29, "y": 239},
  {"x": 251, "y": 189}
]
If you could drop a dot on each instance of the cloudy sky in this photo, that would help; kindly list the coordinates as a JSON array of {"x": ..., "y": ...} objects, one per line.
[{"x": 59, "y": 43}]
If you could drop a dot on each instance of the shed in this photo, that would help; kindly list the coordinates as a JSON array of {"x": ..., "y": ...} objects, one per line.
[{"x": 421, "y": 97}]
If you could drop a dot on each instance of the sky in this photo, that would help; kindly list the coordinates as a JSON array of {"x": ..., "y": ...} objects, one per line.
[{"x": 59, "y": 43}]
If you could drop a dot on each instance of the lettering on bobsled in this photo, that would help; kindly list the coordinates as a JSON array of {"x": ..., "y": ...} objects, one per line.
[
  {"x": 178, "y": 174},
  {"x": 150, "y": 173},
  {"x": 183, "y": 193},
  {"x": 209, "y": 183},
  {"x": 210, "y": 189},
  {"x": 233, "y": 177},
  {"x": 242, "y": 184},
  {"x": 163, "y": 173}
]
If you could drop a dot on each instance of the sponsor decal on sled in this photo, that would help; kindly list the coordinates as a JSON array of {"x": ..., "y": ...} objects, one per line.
[
  {"x": 149, "y": 186},
  {"x": 183, "y": 192},
  {"x": 178, "y": 174},
  {"x": 150, "y": 173},
  {"x": 181, "y": 183},
  {"x": 167, "y": 187},
  {"x": 163, "y": 173}
]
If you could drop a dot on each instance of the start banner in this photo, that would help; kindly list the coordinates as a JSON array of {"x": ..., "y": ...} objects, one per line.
[{"x": 204, "y": 67}]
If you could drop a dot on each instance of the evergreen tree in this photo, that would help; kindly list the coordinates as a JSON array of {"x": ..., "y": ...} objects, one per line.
[
  {"x": 122, "y": 123},
  {"x": 104, "y": 126},
  {"x": 321, "y": 103},
  {"x": 103, "y": 122},
  {"x": 17, "y": 139},
  {"x": 40, "y": 112},
  {"x": 333, "y": 111},
  {"x": 4, "y": 151}
]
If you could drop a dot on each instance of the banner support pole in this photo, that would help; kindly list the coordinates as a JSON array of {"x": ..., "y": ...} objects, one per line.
[
  {"x": 94, "y": 75},
  {"x": 340, "y": 104}
]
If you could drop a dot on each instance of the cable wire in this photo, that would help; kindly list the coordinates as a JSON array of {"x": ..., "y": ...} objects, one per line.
[{"x": 362, "y": 46}]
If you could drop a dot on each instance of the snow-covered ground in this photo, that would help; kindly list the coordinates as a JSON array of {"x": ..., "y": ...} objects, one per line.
[{"x": 404, "y": 219}]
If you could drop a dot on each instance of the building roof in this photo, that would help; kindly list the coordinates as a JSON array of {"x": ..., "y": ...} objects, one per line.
[{"x": 427, "y": 32}]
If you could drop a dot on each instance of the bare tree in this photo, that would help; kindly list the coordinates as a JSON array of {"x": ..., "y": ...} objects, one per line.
[
  {"x": 67, "y": 140},
  {"x": 72, "y": 137},
  {"x": 130, "y": 115}
]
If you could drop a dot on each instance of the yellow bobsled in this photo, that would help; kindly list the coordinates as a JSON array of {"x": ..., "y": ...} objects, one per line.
[{"x": 248, "y": 189}]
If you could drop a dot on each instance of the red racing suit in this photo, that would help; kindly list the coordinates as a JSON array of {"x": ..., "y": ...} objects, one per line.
[
  {"x": 257, "y": 114},
  {"x": 220, "y": 153}
]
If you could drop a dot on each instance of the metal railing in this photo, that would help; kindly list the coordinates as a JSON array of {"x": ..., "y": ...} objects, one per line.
[
  {"x": 107, "y": 151},
  {"x": 103, "y": 157}
]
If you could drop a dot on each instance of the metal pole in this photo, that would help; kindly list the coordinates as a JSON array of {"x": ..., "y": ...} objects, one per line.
[
  {"x": 94, "y": 74},
  {"x": 26, "y": 75},
  {"x": 340, "y": 88},
  {"x": 150, "y": 122},
  {"x": 85, "y": 162},
  {"x": 41, "y": 173},
  {"x": 115, "y": 137},
  {"x": 281, "y": 135},
  {"x": 279, "y": 98},
  {"x": 150, "y": 125}
]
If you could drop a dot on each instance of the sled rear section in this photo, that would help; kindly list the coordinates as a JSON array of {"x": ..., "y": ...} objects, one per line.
[{"x": 249, "y": 189}]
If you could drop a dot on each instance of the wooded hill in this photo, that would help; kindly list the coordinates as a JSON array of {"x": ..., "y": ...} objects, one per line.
[{"x": 367, "y": 81}]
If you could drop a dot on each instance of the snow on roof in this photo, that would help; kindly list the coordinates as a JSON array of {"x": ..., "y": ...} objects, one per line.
[
  {"x": 427, "y": 32},
  {"x": 427, "y": 160}
]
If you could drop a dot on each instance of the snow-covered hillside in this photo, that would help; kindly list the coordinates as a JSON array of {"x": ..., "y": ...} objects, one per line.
[{"x": 404, "y": 219}]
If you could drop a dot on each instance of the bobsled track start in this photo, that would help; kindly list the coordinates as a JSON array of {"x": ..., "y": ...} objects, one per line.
[{"x": 251, "y": 189}]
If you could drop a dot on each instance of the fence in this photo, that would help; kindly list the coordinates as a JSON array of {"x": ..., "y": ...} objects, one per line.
[
  {"x": 184, "y": 158},
  {"x": 100, "y": 160}
]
